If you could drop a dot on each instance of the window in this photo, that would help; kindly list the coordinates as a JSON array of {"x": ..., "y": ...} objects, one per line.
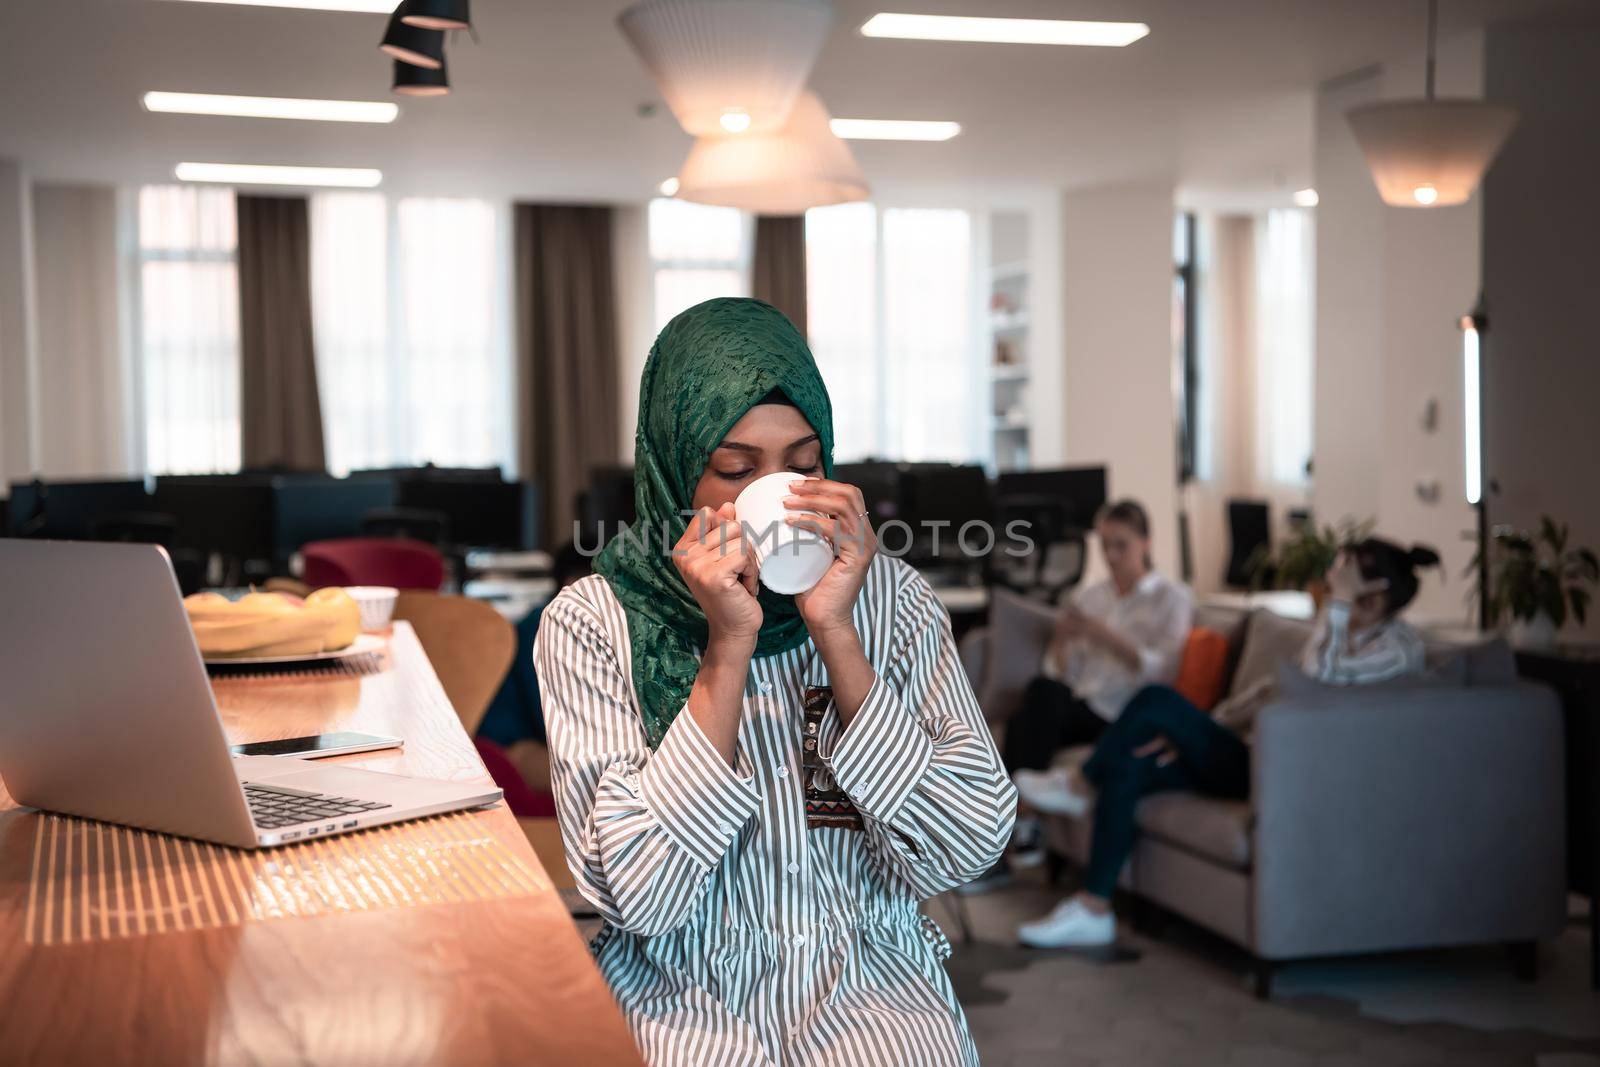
[
  {"x": 890, "y": 297},
  {"x": 1284, "y": 326},
  {"x": 1186, "y": 362},
  {"x": 696, "y": 252},
  {"x": 189, "y": 329},
  {"x": 411, "y": 322}
]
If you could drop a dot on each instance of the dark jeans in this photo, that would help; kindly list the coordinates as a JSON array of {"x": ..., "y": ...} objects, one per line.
[
  {"x": 1051, "y": 718},
  {"x": 1211, "y": 759}
]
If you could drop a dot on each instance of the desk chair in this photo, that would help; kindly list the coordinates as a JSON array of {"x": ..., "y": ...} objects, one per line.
[
  {"x": 469, "y": 644},
  {"x": 418, "y": 524},
  {"x": 391, "y": 561}
]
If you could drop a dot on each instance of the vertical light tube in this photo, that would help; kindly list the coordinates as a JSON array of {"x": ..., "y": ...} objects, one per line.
[{"x": 1472, "y": 410}]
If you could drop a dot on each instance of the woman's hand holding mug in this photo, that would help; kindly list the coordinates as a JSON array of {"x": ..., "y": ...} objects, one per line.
[
  {"x": 714, "y": 557},
  {"x": 840, "y": 517}
]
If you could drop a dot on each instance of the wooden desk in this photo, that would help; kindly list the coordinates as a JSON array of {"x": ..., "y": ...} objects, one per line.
[{"x": 432, "y": 942}]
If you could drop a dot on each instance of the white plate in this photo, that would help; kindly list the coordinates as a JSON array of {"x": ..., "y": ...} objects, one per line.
[{"x": 364, "y": 644}]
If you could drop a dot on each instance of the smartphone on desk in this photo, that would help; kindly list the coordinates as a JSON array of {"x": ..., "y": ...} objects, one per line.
[{"x": 318, "y": 745}]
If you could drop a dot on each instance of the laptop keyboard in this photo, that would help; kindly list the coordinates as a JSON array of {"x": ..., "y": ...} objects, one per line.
[{"x": 276, "y": 806}]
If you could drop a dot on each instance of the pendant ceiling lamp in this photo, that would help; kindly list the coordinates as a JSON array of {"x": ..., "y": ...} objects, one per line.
[
  {"x": 728, "y": 66},
  {"x": 1430, "y": 152},
  {"x": 412, "y": 44},
  {"x": 437, "y": 14},
  {"x": 784, "y": 172},
  {"x": 410, "y": 80}
]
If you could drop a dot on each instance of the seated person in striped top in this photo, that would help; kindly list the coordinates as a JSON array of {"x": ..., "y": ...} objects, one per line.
[
  {"x": 1162, "y": 742},
  {"x": 747, "y": 918}
]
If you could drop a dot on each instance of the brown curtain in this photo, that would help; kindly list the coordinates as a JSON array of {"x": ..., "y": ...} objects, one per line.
[
  {"x": 566, "y": 354},
  {"x": 281, "y": 418},
  {"x": 778, "y": 274}
]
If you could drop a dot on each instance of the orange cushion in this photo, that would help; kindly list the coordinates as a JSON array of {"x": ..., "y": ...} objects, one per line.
[{"x": 1205, "y": 663}]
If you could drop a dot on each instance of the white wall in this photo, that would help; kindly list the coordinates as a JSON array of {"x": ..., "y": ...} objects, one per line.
[
  {"x": 1541, "y": 226},
  {"x": 84, "y": 373},
  {"x": 1226, "y": 418},
  {"x": 1392, "y": 284},
  {"x": 630, "y": 248},
  {"x": 18, "y": 447},
  {"x": 1116, "y": 285}
]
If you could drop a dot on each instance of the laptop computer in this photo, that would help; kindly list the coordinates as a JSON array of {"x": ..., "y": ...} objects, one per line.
[{"x": 106, "y": 712}]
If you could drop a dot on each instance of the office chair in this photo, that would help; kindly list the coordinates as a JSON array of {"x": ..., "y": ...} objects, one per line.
[
  {"x": 391, "y": 561},
  {"x": 418, "y": 524}
]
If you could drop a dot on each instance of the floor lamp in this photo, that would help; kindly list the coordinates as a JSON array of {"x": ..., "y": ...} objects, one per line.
[{"x": 1474, "y": 328}]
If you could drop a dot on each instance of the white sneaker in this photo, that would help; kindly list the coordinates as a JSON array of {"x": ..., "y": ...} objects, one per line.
[
  {"x": 1070, "y": 925},
  {"x": 1051, "y": 792}
]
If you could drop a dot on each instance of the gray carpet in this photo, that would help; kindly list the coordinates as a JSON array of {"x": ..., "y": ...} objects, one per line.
[{"x": 1188, "y": 1000}]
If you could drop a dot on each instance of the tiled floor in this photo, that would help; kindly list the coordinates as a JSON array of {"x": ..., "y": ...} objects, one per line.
[{"x": 1188, "y": 1001}]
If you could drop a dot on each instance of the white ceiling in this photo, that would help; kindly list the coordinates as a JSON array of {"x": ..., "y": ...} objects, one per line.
[{"x": 1218, "y": 97}]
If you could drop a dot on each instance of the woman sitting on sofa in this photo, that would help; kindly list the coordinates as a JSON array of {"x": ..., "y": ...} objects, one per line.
[
  {"x": 1111, "y": 638},
  {"x": 1162, "y": 742}
]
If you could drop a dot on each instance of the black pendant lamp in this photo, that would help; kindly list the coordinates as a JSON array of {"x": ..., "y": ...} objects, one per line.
[
  {"x": 412, "y": 80},
  {"x": 412, "y": 44},
  {"x": 436, "y": 14}
]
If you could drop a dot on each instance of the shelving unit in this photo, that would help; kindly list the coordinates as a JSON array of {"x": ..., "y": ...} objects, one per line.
[{"x": 1008, "y": 278}]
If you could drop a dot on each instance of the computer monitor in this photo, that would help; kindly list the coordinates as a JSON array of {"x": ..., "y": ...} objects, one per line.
[
  {"x": 603, "y": 507},
  {"x": 68, "y": 511},
  {"x": 1076, "y": 493},
  {"x": 482, "y": 513},
  {"x": 879, "y": 482},
  {"x": 948, "y": 492},
  {"x": 933, "y": 500},
  {"x": 320, "y": 509},
  {"x": 231, "y": 515},
  {"x": 428, "y": 470}
]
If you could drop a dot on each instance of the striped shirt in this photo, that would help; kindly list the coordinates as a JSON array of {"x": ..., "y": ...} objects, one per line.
[
  {"x": 1387, "y": 650},
  {"x": 733, "y": 934}
]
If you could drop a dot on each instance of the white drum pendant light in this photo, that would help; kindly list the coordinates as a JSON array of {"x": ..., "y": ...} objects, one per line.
[
  {"x": 1428, "y": 152},
  {"x": 803, "y": 165},
  {"x": 728, "y": 66}
]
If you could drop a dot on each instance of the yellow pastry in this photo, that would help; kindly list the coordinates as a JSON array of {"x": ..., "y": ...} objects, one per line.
[{"x": 273, "y": 624}]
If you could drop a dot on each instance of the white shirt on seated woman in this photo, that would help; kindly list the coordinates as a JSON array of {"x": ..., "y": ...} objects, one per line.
[
  {"x": 1117, "y": 635},
  {"x": 1121, "y": 638}
]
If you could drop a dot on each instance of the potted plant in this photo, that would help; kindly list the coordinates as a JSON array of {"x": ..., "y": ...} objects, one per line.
[
  {"x": 1302, "y": 560},
  {"x": 1536, "y": 581}
]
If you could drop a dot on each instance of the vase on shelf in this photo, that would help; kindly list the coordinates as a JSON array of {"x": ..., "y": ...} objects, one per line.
[{"x": 1537, "y": 633}]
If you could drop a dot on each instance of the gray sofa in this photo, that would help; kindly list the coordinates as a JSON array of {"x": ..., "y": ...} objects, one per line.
[{"x": 1390, "y": 817}]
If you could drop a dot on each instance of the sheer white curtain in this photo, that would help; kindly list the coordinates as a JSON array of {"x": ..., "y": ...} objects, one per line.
[
  {"x": 842, "y": 312},
  {"x": 455, "y": 367},
  {"x": 350, "y": 322},
  {"x": 189, "y": 329},
  {"x": 1285, "y": 303},
  {"x": 927, "y": 326},
  {"x": 410, "y": 308},
  {"x": 696, "y": 252},
  {"x": 891, "y": 320}
]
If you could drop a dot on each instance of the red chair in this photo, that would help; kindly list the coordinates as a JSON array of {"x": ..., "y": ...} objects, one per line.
[{"x": 389, "y": 561}]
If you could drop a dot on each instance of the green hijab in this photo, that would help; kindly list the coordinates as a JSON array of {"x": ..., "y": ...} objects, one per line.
[{"x": 708, "y": 367}]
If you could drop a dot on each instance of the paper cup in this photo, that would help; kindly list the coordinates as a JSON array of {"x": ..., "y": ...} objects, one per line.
[
  {"x": 376, "y": 603},
  {"x": 789, "y": 560}
]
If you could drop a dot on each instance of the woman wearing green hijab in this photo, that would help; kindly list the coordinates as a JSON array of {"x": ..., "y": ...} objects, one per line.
[{"x": 756, "y": 790}]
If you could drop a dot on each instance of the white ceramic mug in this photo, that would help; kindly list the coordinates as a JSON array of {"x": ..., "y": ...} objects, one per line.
[{"x": 790, "y": 560}]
